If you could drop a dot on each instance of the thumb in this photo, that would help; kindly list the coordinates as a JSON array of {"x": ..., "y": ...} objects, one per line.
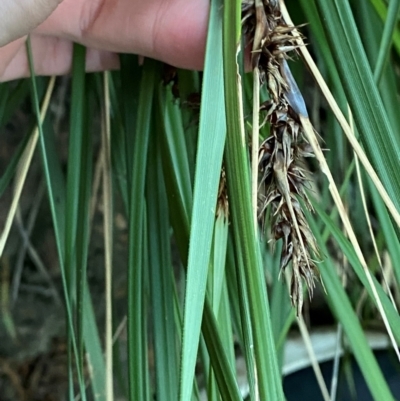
[{"x": 19, "y": 17}]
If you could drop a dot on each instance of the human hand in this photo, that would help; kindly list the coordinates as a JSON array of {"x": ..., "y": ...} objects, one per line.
[{"x": 173, "y": 31}]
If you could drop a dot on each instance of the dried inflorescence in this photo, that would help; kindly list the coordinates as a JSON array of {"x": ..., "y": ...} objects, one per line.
[
  {"x": 222, "y": 198},
  {"x": 282, "y": 175}
]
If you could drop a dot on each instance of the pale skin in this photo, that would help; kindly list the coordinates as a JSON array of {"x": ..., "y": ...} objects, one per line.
[{"x": 173, "y": 31}]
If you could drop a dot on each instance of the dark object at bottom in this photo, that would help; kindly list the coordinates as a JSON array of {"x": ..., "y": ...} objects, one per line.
[{"x": 303, "y": 385}]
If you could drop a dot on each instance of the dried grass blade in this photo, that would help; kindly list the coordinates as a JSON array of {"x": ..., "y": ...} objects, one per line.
[
  {"x": 23, "y": 168},
  {"x": 108, "y": 238}
]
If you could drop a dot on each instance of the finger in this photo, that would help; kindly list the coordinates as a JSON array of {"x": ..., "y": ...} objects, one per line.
[
  {"x": 8, "y": 52},
  {"x": 173, "y": 31},
  {"x": 19, "y": 17},
  {"x": 53, "y": 56}
]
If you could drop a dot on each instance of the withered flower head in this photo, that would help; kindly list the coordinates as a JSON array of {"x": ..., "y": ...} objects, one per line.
[{"x": 283, "y": 178}]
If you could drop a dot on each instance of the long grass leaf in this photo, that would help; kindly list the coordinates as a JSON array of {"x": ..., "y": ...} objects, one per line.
[
  {"x": 78, "y": 194},
  {"x": 227, "y": 384},
  {"x": 216, "y": 288},
  {"x": 210, "y": 148},
  {"x": 179, "y": 202},
  {"x": 136, "y": 292},
  {"x": 161, "y": 285},
  {"x": 176, "y": 145},
  {"x": 386, "y": 40},
  {"x": 382, "y": 10},
  {"x": 237, "y": 169},
  {"x": 246, "y": 329},
  {"x": 97, "y": 370},
  {"x": 391, "y": 240},
  {"x": 130, "y": 74}
]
